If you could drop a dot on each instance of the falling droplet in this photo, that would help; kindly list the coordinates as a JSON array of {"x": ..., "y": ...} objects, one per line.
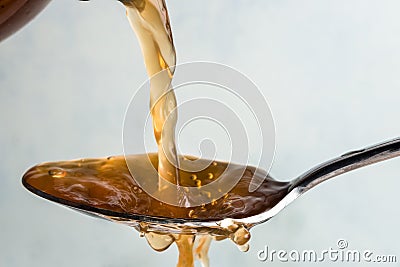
[
  {"x": 241, "y": 236},
  {"x": 57, "y": 173},
  {"x": 159, "y": 242},
  {"x": 244, "y": 248}
]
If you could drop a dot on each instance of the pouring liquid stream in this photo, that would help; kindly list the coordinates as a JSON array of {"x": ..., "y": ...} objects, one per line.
[{"x": 149, "y": 19}]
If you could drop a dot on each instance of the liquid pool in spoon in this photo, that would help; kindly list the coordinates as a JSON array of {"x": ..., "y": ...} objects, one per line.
[{"x": 105, "y": 187}]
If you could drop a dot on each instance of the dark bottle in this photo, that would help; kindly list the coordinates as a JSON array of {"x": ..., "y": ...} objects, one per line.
[{"x": 14, "y": 14}]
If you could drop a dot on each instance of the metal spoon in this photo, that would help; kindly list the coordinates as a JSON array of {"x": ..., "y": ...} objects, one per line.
[{"x": 289, "y": 192}]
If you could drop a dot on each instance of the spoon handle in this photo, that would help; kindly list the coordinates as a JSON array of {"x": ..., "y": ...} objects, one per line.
[{"x": 347, "y": 162}]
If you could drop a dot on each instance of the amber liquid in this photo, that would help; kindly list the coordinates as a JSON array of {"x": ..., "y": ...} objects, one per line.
[{"x": 107, "y": 184}]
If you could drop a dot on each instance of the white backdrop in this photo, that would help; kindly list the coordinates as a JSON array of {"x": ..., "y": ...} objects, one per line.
[{"x": 330, "y": 71}]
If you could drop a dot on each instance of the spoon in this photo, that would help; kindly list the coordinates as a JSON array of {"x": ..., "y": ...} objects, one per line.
[{"x": 284, "y": 194}]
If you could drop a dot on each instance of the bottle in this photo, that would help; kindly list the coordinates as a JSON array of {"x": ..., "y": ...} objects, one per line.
[{"x": 14, "y": 14}]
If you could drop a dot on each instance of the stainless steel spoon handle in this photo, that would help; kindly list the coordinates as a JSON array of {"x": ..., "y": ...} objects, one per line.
[{"x": 345, "y": 163}]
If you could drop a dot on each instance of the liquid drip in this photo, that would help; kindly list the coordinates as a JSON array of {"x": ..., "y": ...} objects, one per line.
[
  {"x": 201, "y": 252},
  {"x": 159, "y": 242},
  {"x": 185, "y": 245}
]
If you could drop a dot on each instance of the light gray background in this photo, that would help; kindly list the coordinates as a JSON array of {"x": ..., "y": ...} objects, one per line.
[{"x": 330, "y": 70}]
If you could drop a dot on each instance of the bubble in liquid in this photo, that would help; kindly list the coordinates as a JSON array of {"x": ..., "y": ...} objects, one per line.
[
  {"x": 192, "y": 214},
  {"x": 57, "y": 173},
  {"x": 198, "y": 183}
]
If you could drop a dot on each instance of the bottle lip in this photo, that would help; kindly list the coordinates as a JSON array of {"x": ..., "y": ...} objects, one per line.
[{"x": 16, "y": 14}]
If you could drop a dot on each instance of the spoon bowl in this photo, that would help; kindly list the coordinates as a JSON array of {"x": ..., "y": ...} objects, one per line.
[{"x": 280, "y": 194}]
